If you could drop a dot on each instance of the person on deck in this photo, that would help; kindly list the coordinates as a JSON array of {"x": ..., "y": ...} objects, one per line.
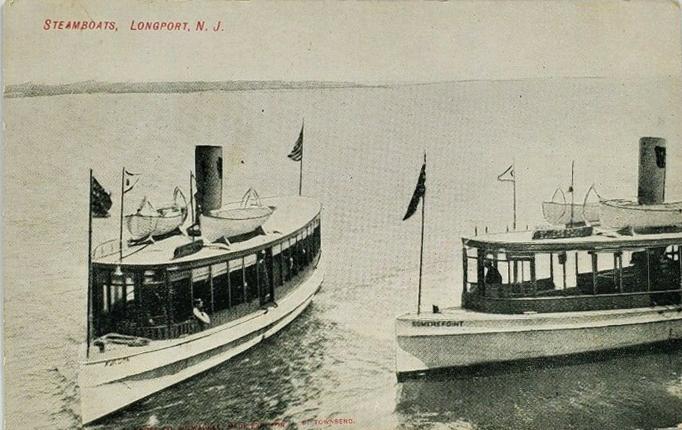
[
  {"x": 202, "y": 317},
  {"x": 264, "y": 278},
  {"x": 492, "y": 277}
]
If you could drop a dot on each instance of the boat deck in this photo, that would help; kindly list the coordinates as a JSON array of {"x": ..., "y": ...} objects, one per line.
[
  {"x": 602, "y": 239},
  {"x": 290, "y": 215},
  {"x": 472, "y": 315}
]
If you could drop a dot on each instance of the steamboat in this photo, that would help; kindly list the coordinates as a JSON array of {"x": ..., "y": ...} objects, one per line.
[
  {"x": 530, "y": 295},
  {"x": 167, "y": 309}
]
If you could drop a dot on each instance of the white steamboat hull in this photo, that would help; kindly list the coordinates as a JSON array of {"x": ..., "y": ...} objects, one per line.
[
  {"x": 109, "y": 385},
  {"x": 460, "y": 338}
]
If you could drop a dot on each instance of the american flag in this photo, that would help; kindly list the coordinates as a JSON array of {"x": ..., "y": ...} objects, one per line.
[
  {"x": 296, "y": 154},
  {"x": 100, "y": 199}
]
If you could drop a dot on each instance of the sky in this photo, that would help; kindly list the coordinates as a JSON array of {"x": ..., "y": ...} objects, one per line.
[{"x": 344, "y": 41}]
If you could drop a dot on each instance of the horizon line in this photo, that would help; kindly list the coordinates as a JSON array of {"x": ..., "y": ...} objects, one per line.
[{"x": 92, "y": 86}]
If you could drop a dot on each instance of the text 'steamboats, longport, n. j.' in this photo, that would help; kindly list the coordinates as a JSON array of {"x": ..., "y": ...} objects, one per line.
[
  {"x": 178, "y": 305},
  {"x": 558, "y": 292}
]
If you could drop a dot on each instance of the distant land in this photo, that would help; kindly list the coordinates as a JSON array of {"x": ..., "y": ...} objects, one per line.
[{"x": 29, "y": 89}]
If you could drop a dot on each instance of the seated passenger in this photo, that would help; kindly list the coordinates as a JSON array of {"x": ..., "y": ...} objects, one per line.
[
  {"x": 492, "y": 279},
  {"x": 202, "y": 317},
  {"x": 492, "y": 275}
]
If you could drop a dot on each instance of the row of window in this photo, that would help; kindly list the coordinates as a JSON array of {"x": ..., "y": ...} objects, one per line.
[
  {"x": 573, "y": 273},
  {"x": 154, "y": 298}
]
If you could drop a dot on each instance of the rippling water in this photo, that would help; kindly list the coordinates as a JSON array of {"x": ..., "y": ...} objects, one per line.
[{"x": 363, "y": 153}]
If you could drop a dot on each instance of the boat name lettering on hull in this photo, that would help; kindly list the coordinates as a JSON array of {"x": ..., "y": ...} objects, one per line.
[{"x": 437, "y": 323}]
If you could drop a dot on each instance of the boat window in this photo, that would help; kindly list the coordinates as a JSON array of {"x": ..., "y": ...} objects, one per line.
[
  {"x": 293, "y": 257},
  {"x": 153, "y": 296},
  {"x": 286, "y": 261},
  {"x": 236, "y": 281},
  {"x": 471, "y": 271},
  {"x": 250, "y": 277},
  {"x": 181, "y": 289},
  {"x": 264, "y": 275},
  {"x": 130, "y": 288},
  {"x": 119, "y": 291},
  {"x": 277, "y": 276},
  {"x": 221, "y": 292}
]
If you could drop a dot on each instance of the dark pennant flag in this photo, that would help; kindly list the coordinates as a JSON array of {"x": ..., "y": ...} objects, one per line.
[
  {"x": 296, "y": 154},
  {"x": 418, "y": 193},
  {"x": 100, "y": 200}
]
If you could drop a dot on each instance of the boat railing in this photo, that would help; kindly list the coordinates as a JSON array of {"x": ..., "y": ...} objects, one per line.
[
  {"x": 159, "y": 332},
  {"x": 105, "y": 249},
  {"x": 111, "y": 247},
  {"x": 570, "y": 302}
]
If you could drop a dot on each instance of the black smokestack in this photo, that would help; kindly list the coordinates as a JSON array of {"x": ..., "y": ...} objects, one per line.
[
  {"x": 208, "y": 164},
  {"x": 651, "y": 188}
]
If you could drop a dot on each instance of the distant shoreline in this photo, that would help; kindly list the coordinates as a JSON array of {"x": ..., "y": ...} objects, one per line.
[{"x": 30, "y": 89}]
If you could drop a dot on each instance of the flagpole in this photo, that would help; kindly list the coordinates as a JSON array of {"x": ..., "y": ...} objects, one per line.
[
  {"x": 514, "y": 182},
  {"x": 89, "y": 321},
  {"x": 120, "y": 230},
  {"x": 300, "y": 175},
  {"x": 421, "y": 249},
  {"x": 572, "y": 191},
  {"x": 191, "y": 195}
]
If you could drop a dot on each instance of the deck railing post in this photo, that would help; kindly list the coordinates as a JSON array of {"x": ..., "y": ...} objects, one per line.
[
  {"x": 465, "y": 269},
  {"x": 595, "y": 271},
  {"x": 620, "y": 271},
  {"x": 516, "y": 271},
  {"x": 108, "y": 296},
  {"x": 169, "y": 301},
  {"x": 480, "y": 274},
  {"x": 281, "y": 263},
  {"x": 229, "y": 284},
  {"x": 244, "y": 286},
  {"x": 259, "y": 266},
  {"x": 679, "y": 260},
  {"x": 648, "y": 270},
  {"x": 509, "y": 278},
  {"x": 137, "y": 281},
  {"x": 210, "y": 283},
  {"x": 191, "y": 287},
  {"x": 270, "y": 257},
  {"x": 533, "y": 282}
]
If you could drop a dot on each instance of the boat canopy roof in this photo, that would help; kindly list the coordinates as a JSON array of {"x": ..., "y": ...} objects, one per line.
[
  {"x": 290, "y": 216},
  {"x": 600, "y": 240}
]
